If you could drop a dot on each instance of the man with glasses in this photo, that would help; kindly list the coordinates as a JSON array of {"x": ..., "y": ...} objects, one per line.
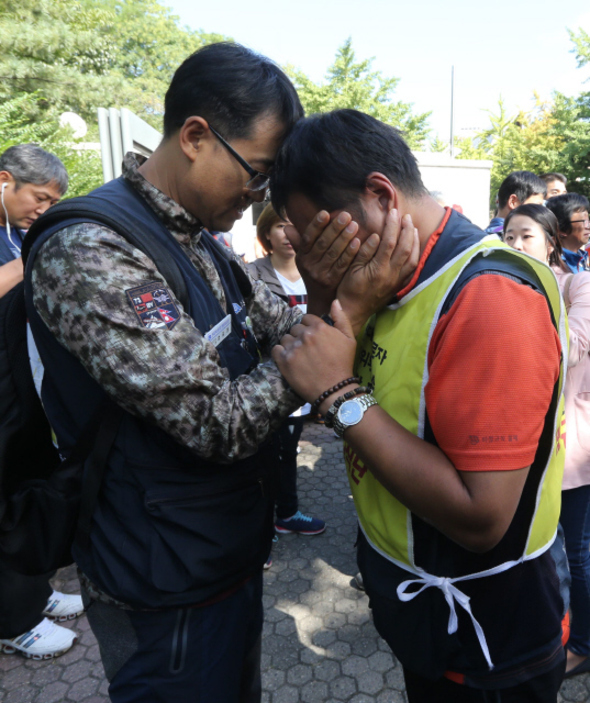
[
  {"x": 172, "y": 573},
  {"x": 571, "y": 211}
]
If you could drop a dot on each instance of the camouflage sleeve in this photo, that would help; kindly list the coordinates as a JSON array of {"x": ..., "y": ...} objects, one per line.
[{"x": 171, "y": 377}]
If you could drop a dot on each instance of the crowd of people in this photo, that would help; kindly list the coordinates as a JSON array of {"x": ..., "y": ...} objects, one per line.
[{"x": 469, "y": 474}]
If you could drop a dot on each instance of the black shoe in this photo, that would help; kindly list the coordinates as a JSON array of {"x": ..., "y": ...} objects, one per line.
[{"x": 357, "y": 582}]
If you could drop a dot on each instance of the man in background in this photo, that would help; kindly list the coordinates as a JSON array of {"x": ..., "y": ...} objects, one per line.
[
  {"x": 571, "y": 210},
  {"x": 31, "y": 181},
  {"x": 556, "y": 184},
  {"x": 518, "y": 188}
]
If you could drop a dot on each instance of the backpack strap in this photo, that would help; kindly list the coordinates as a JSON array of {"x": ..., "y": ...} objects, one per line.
[
  {"x": 97, "y": 438},
  {"x": 499, "y": 263},
  {"x": 86, "y": 209}
]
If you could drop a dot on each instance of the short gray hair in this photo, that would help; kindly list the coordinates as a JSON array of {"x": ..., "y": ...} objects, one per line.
[{"x": 29, "y": 163}]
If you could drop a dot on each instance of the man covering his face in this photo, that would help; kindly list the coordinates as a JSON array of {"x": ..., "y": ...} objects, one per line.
[{"x": 448, "y": 428}]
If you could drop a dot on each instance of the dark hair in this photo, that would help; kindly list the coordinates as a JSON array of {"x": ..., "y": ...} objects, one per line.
[
  {"x": 523, "y": 184},
  {"x": 566, "y": 205},
  {"x": 229, "y": 86},
  {"x": 547, "y": 221},
  {"x": 550, "y": 177},
  {"x": 268, "y": 218},
  {"x": 328, "y": 158},
  {"x": 29, "y": 163}
]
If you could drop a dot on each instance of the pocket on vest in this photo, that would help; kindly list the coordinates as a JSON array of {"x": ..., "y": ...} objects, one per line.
[{"x": 205, "y": 534}]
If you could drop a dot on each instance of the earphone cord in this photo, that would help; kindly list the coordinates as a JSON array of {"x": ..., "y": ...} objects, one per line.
[{"x": 16, "y": 246}]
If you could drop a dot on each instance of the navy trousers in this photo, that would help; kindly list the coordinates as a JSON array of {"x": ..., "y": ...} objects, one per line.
[
  {"x": 205, "y": 654},
  {"x": 575, "y": 520},
  {"x": 286, "y": 440},
  {"x": 22, "y": 601},
  {"x": 542, "y": 689}
]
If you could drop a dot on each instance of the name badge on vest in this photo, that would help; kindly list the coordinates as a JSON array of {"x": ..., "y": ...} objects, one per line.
[{"x": 219, "y": 332}]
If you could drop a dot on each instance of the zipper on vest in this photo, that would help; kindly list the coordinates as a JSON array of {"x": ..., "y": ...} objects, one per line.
[
  {"x": 206, "y": 492},
  {"x": 179, "y": 642}
]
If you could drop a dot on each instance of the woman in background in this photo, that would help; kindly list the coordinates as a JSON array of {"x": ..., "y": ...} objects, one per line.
[
  {"x": 279, "y": 271},
  {"x": 534, "y": 230}
]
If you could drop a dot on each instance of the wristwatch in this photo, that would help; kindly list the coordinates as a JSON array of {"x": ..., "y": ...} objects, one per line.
[{"x": 351, "y": 412}]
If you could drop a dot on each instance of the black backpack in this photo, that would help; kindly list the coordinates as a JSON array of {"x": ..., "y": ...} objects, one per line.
[{"x": 44, "y": 504}]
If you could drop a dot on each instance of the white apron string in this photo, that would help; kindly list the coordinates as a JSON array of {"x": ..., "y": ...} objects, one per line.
[{"x": 452, "y": 594}]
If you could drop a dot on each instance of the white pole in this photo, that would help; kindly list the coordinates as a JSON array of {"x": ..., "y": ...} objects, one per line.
[{"x": 452, "y": 141}]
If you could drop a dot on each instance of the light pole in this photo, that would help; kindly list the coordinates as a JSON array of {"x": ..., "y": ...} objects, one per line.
[{"x": 452, "y": 140}]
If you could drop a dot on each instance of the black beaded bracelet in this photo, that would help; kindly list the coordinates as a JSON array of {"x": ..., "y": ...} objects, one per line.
[
  {"x": 331, "y": 414},
  {"x": 347, "y": 381}
]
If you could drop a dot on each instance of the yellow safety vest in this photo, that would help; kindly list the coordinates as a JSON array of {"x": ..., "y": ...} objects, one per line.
[{"x": 399, "y": 373}]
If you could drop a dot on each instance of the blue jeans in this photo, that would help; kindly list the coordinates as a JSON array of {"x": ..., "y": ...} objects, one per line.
[{"x": 575, "y": 520}]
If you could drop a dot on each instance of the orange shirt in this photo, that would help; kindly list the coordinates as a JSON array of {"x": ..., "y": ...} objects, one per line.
[{"x": 493, "y": 363}]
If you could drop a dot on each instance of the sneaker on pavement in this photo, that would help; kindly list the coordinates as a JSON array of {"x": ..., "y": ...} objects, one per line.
[
  {"x": 44, "y": 641},
  {"x": 62, "y": 607},
  {"x": 303, "y": 524}
]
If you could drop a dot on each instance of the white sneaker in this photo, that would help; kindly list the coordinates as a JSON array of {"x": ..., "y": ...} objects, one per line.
[
  {"x": 44, "y": 641},
  {"x": 62, "y": 607}
]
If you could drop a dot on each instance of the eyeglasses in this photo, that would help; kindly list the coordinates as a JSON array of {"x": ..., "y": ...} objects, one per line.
[
  {"x": 586, "y": 222},
  {"x": 258, "y": 180}
]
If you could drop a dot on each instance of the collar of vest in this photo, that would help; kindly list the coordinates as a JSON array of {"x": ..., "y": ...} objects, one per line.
[{"x": 458, "y": 235}]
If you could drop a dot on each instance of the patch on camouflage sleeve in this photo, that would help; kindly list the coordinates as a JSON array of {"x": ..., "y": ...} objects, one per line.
[{"x": 153, "y": 305}]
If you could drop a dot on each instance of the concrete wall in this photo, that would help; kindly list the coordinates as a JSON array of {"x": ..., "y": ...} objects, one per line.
[{"x": 464, "y": 182}]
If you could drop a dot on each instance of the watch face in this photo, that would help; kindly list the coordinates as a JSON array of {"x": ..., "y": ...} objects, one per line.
[{"x": 350, "y": 412}]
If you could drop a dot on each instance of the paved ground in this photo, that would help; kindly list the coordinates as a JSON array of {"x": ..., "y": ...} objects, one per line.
[{"x": 319, "y": 642}]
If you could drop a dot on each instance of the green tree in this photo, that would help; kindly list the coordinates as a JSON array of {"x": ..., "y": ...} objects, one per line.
[
  {"x": 581, "y": 42},
  {"x": 572, "y": 127},
  {"x": 79, "y": 54},
  {"x": 550, "y": 137},
  {"x": 437, "y": 145},
  {"x": 353, "y": 84},
  {"x": 573, "y": 120},
  {"x": 553, "y": 136},
  {"x": 84, "y": 166}
]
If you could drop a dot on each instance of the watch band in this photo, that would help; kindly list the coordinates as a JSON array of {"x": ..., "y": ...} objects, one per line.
[{"x": 365, "y": 402}]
